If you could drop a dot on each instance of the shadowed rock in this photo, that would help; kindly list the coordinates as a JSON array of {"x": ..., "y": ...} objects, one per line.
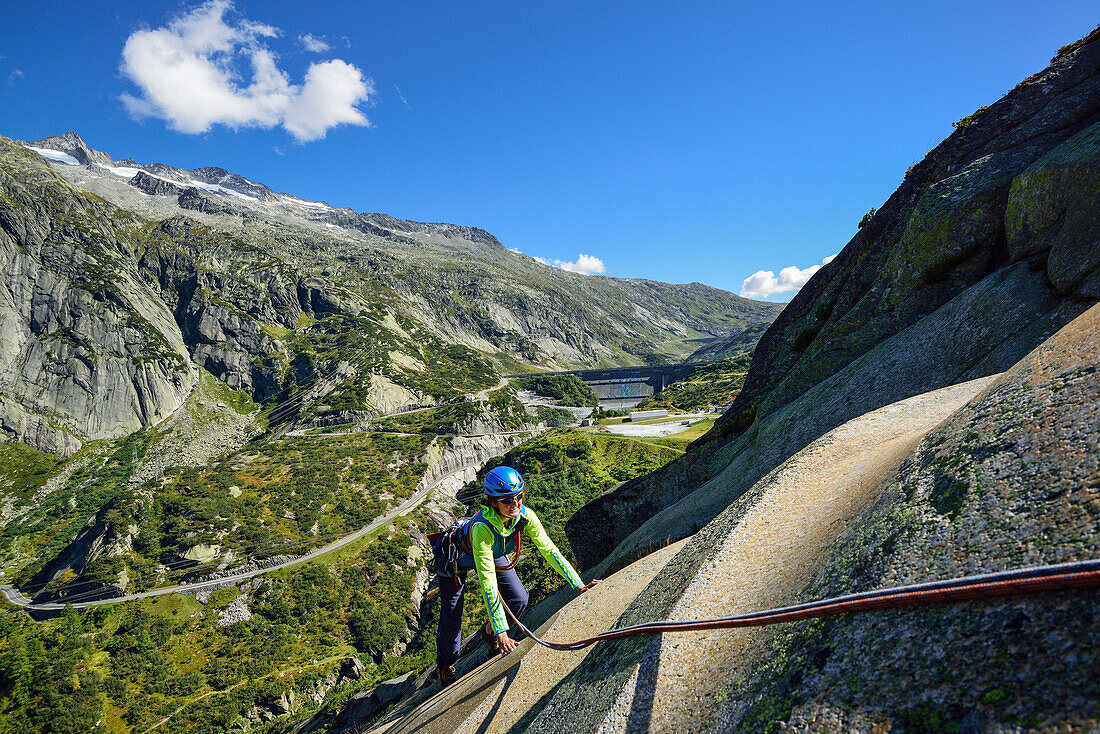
[{"x": 991, "y": 243}]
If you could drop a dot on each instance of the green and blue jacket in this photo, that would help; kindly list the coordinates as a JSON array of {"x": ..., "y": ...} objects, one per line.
[{"x": 488, "y": 536}]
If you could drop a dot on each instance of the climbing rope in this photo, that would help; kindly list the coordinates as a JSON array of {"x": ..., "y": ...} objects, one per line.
[{"x": 1062, "y": 577}]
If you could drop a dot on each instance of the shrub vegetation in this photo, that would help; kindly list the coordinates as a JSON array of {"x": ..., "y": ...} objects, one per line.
[
  {"x": 451, "y": 420},
  {"x": 569, "y": 389},
  {"x": 124, "y": 667},
  {"x": 717, "y": 383},
  {"x": 555, "y": 417}
]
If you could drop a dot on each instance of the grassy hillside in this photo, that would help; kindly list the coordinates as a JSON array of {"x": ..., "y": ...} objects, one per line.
[
  {"x": 275, "y": 496},
  {"x": 500, "y": 409},
  {"x": 680, "y": 441},
  {"x": 124, "y": 667},
  {"x": 569, "y": 389},
  {"x": 22, "y": 471},
  {"x": 717, "y": 383}
]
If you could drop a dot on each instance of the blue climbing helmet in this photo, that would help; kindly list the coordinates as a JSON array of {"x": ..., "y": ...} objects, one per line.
[{"x": 504, "y": 481}]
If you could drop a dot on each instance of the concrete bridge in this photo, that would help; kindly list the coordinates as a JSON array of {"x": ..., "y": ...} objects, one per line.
[{"x": 621, "y": 388}]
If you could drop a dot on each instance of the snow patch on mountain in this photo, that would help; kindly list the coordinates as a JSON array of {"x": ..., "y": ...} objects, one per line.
[
  {"x": 127, "y": 172},
  {"x": 215, "y": 188},
  {"x": 54, "y": 155}
]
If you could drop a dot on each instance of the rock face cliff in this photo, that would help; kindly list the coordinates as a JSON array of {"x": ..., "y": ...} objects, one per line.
[
  {"x": 994, "y": 474},
  {"x": 991, "y": 243},
  {"x": 88, "y": 349},
  {"x": 1008, "y": 481}
]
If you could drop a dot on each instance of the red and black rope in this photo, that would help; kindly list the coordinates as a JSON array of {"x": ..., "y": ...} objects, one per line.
[{"x": 1063, "y": 577}]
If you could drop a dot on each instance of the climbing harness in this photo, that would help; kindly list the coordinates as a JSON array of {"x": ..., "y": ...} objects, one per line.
[{"x": 1062, "y": 577}]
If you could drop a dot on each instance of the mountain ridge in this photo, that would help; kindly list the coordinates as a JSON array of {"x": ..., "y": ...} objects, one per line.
[{"x": 246, "y": 274}]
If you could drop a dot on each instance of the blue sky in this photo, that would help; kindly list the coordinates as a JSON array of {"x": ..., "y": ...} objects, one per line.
[{"x": 691, "y": 141}]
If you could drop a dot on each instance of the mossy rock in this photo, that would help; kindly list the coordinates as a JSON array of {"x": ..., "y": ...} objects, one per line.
[{"x": 1055, "y": 205}]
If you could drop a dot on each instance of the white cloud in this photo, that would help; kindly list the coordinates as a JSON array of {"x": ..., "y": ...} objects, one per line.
[
  {"x": 401, "y": 96},
  {"x": 328, "y": 99},
  {"x": 585, "y": 265},
  {"x": 188, "y": 75},
  {"x": 764, "y": 283},
  {"x": 314, "y": 44}
]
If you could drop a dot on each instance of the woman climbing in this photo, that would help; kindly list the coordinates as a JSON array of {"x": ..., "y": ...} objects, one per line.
[{"x": 484, "y": 543}]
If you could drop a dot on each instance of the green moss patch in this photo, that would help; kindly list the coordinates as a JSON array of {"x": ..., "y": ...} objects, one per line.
[{"x": 23, "y": 469}]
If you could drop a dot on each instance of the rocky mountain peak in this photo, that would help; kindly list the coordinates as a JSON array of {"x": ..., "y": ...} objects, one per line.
[
  {"x": 234, "y": 182},
  {"x": 74, "y": 145},
  {"x": 210, "y": 179}
]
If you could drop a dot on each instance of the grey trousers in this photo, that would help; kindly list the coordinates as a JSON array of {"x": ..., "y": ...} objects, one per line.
[{"x": 452, "y": 593}]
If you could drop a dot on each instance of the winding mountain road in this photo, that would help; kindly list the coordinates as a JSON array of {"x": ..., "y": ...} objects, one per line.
[
  {"x": 13, "y": 595},
  {"x": 16, "y": 597}
]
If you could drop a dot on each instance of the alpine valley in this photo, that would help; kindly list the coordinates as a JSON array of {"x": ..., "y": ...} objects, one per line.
[
  {"x": 189, "y": 363},
  {"x": 203, "y": 381}
]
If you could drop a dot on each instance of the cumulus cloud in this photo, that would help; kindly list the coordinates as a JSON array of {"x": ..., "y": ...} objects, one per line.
[
  {"x": 328, "y": 99},
  {"x": 314, "y": 44},
  {"x": 189, "y": 75},
  {"x": 764, "y": 283},
  {"x": 585, "y": 265}
]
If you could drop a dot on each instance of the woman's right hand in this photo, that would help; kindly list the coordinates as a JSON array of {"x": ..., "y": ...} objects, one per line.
[{"x": 506, "y": 643}]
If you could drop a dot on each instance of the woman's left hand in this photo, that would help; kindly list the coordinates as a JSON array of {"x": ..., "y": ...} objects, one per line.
[{"x": 585, "y": 587}]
